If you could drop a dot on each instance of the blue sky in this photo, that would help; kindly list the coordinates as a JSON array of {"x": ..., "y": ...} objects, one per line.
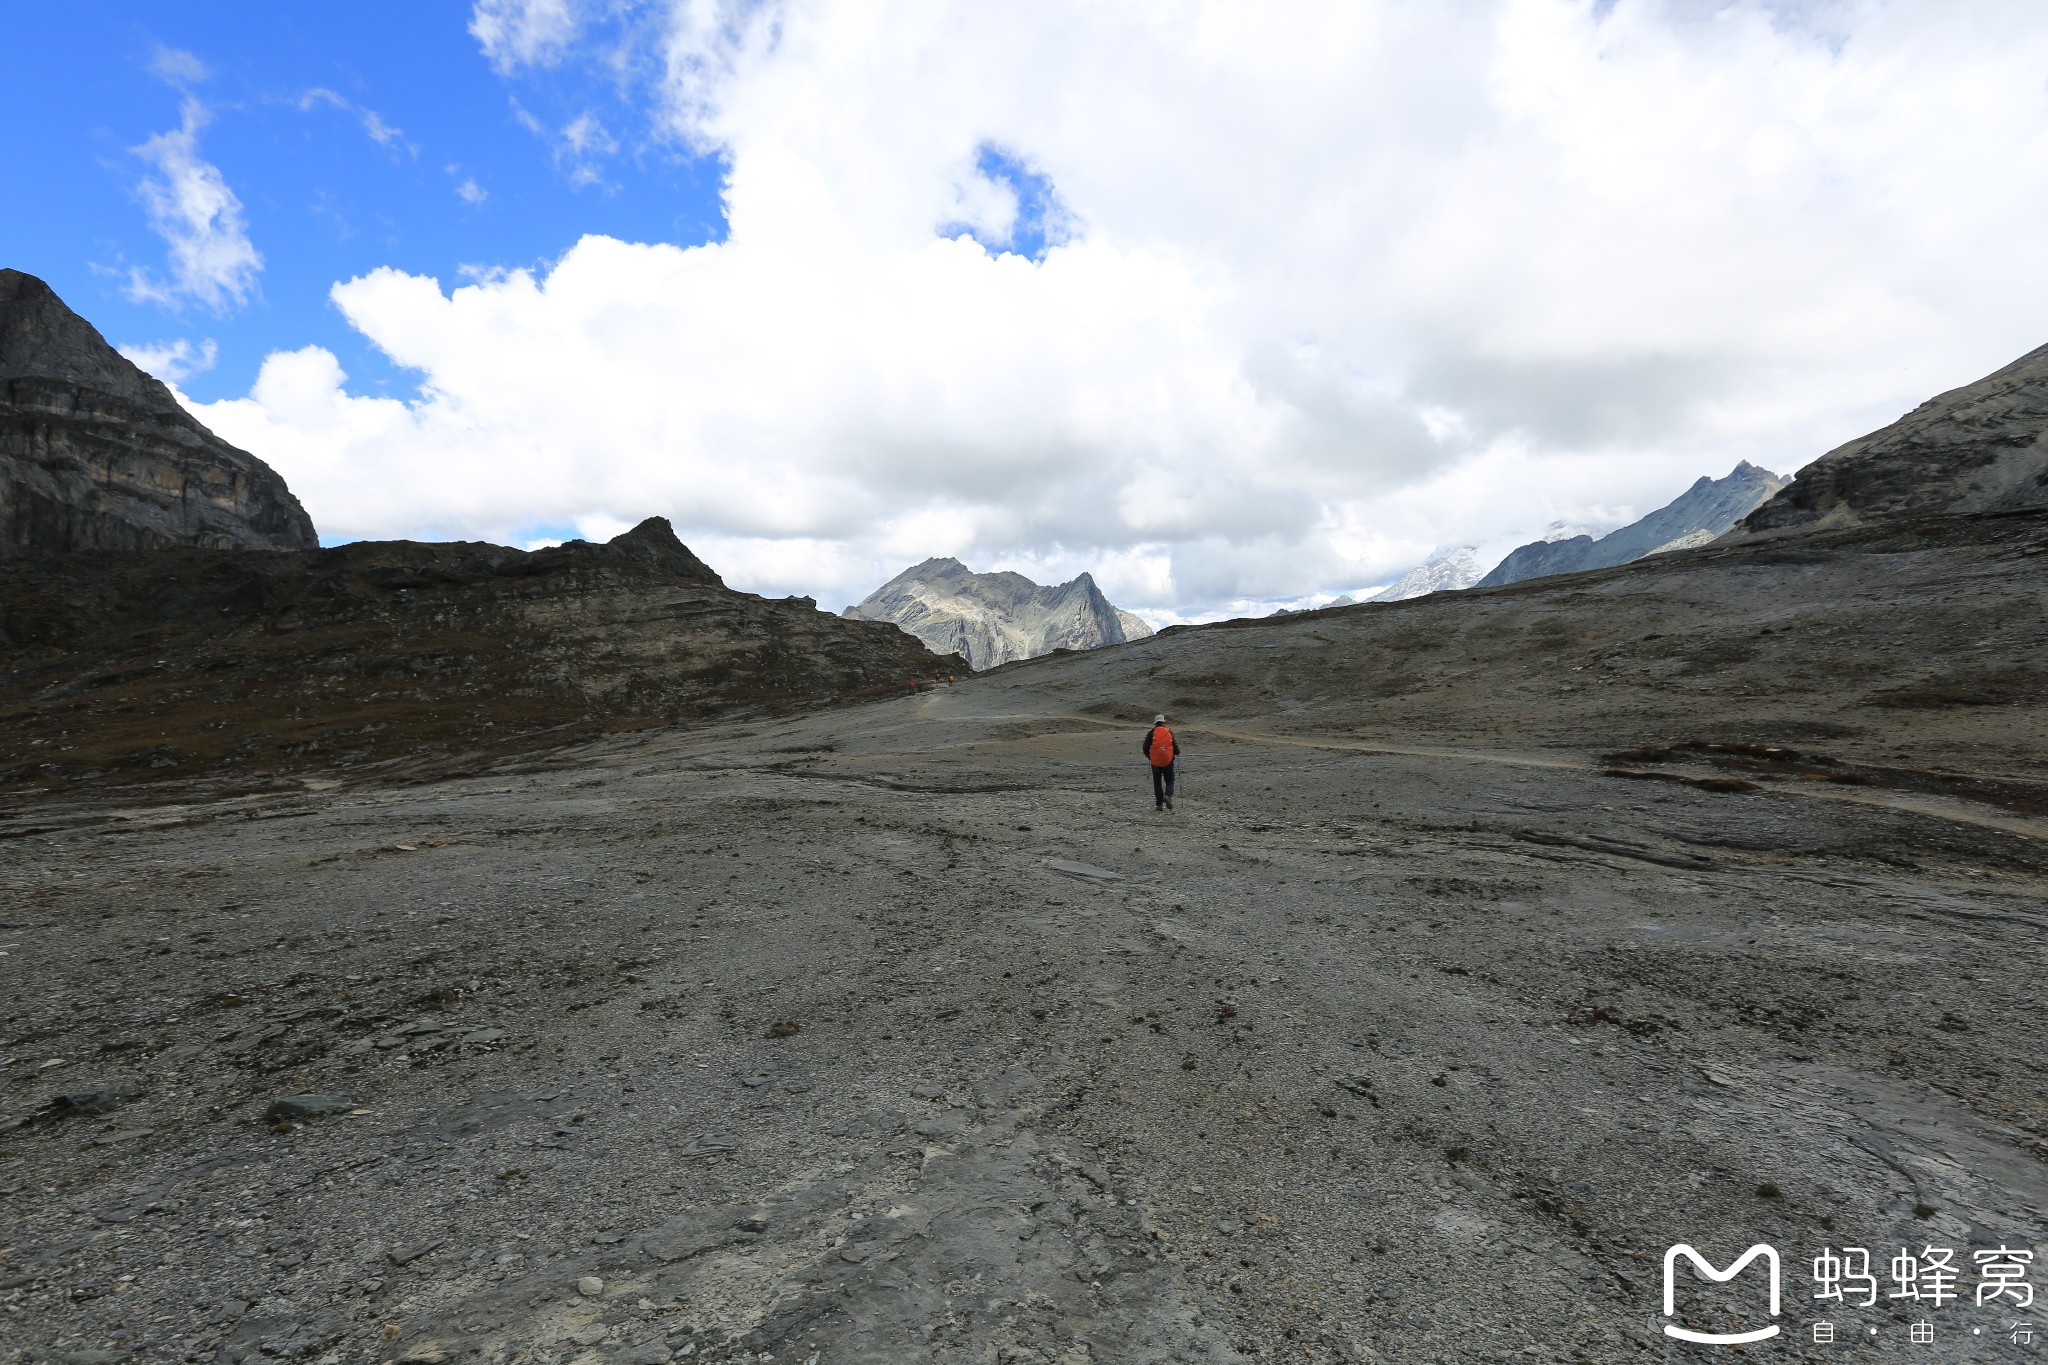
[
  {"x": 346, "y": 131},
  {"x": 1230, "y": 304}
]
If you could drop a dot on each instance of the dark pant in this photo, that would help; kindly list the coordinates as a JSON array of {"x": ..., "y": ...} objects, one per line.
[{"x": 1162, "y": 785}]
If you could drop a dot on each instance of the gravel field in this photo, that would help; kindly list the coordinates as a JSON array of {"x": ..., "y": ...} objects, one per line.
[{"x": 1497, "y": 943}]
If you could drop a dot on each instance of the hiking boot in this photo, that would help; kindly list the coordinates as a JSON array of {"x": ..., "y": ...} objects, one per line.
[{"x": 1169, "y": 803}]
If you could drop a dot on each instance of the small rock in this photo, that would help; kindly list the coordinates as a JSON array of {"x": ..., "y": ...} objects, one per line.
[
  {"x": 786, "y": 1028},
  {"x": 104, "y": 1100},
  {"x": 1083, "y": 871},
  {"x": 289, "y": 1107},
  {"x": 590, "y": 1286},
  {"x": 646, "y": 1353},
  {"x": 406, "y": 1255},
  {"x": 90, "y": 1357},
  {"x": 710, "y": 1144},
  {"x": 588, "y": 1336},
  {"x": 605, "y": 1239}
]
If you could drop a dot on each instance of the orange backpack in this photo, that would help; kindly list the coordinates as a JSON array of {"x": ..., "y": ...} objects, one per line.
[{"x": 1161, "y": 750}]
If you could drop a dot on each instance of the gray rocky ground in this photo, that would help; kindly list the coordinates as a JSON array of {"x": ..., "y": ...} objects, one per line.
[{"x": 1498, "y": 942}]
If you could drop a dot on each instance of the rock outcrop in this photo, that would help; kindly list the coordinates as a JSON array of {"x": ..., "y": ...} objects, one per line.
[
  {"x": 997, "y": 618},
  {"x": 1710, "y": 505},
  {"x": 97, "y": 455},
  {"x": 380, "y": 654},
  {"x": 1979, "y": 448}
]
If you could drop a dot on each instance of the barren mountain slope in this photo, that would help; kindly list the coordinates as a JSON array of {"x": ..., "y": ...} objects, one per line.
[
  {"x": 174, "y": 665},
  {"x": 97, "y": 455},
  {"x": 1499, "y": 942},
  {"x": 1979, "y": 448}
]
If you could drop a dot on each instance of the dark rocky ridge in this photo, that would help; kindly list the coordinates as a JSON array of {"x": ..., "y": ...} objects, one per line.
[
  {"x": 200, "y": 663},
  {"x": 1707, "y": 509},
  {"x": 97, "y": 455},
  {"x": 1979, "y": 448}
]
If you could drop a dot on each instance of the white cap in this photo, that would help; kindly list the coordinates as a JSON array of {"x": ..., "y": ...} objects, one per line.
[{"x": 1159, "y": 720}]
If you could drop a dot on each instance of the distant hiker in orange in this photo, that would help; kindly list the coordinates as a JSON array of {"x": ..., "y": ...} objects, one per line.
[{"x": 1161, "y": 748}]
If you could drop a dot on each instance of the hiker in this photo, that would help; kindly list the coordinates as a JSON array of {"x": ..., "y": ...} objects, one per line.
[{"x": 1161, "y": 748}]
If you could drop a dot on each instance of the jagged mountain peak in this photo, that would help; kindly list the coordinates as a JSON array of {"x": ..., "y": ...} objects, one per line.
[
  {"x": 997, "y": 618},
  {"x": 1446, "y": 570},
  {"x": 654, "y": 542},
  {"x": 42, "y": 338}
]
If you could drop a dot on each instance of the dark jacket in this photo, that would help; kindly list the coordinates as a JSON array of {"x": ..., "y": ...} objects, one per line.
[{"x": 1145, "y": 747}]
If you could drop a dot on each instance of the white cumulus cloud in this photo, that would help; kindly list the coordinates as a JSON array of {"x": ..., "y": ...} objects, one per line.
[
  {"x": 1292, "y": 294},
  {"x": 515, "y": 33},
  {"x": 173, "y": 361},
  {"x": 212, "y": 261}
]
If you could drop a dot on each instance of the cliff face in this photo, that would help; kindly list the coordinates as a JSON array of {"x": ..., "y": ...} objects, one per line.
[
  {"x": 1979, "y": 448},
  {"x": 1707, "y": 509},
  {"x": 997, "y": 618},
  {"x": 381, "y": 654},
  {"x": 97, "y": 455}
]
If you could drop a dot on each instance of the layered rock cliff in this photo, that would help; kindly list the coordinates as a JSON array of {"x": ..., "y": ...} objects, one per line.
[
  {"x": 1711, "y": 506},
  {"x": 996, "y": 618},
  {"x": 97, "y": 455},
  {"x": 372, "y": 656},
  {"x": 1979, "y": 448}
]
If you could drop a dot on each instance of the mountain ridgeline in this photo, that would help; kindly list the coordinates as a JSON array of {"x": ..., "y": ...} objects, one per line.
[
  {"x": 1707, "y": 510},
  {"x": 996, "y": 618},
  {"x": 97, "y": 455},
  {"x": 1980, "y": 448},
  {"x": 1445, "y": 571}
]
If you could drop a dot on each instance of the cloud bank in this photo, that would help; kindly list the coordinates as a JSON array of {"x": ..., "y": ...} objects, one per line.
[{"x": 1227, "y": 302}]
